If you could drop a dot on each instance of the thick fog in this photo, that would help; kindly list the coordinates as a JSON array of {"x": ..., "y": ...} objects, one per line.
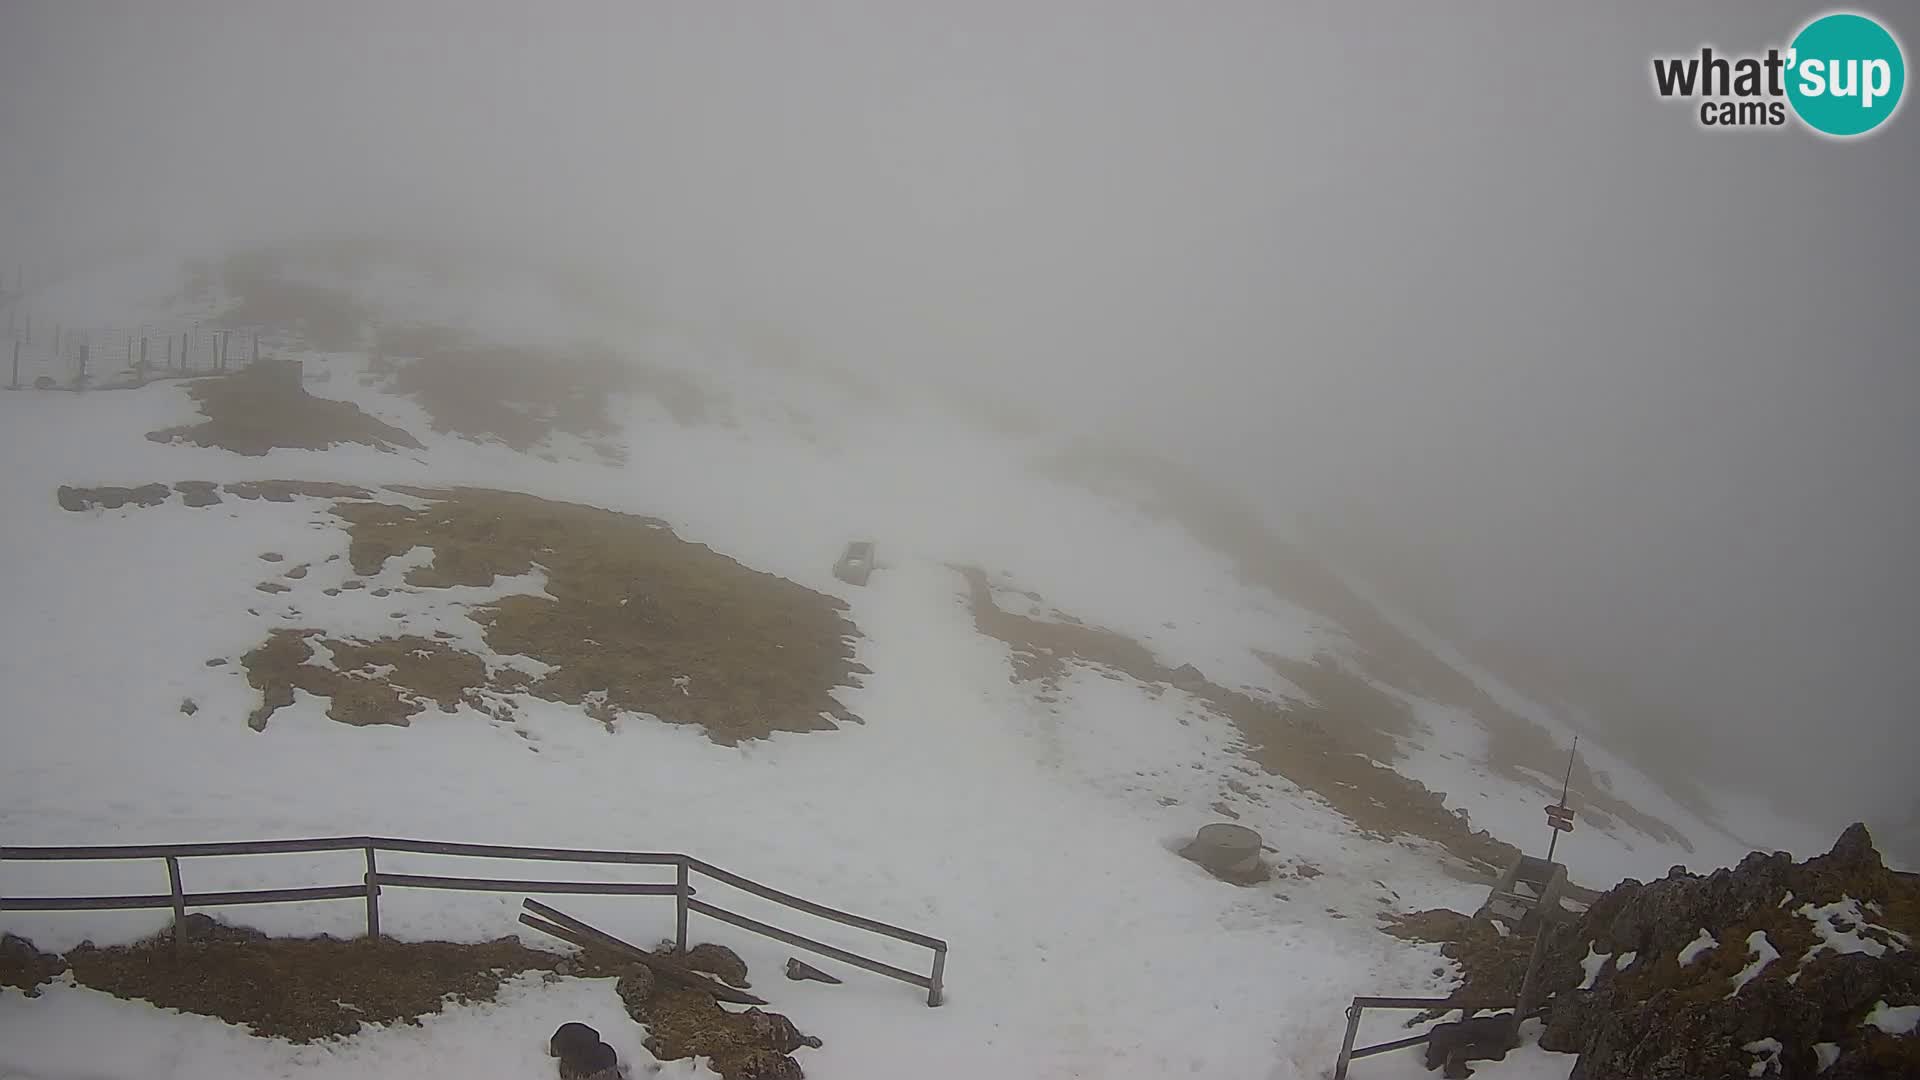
[{"x": 1445, "y": 282}]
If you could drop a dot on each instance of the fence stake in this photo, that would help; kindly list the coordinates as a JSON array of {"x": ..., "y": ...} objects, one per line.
[
  {"x": 1346, "y": 1045},
  {"x": 255, "y": 358},
  {"x": 179, "y": 905},
  {"x": 1544, "y": 931},
  {"x": 169, "y": 352},
  {"x": 143, "y": 359},
  {"x": 934, "y": 992},
  {"x": 680, "y": 909},
  {"x": 15, "y": 384},
  {"x": 373, "y": 897}
]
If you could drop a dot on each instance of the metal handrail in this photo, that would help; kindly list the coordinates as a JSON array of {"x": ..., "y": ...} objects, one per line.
[
  {"x": 375, "y": 879},
  {"x": 1349, "y": 1053}
]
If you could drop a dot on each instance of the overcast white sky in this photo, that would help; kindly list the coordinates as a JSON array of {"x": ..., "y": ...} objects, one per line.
[{"x": 1629, "y": 392}]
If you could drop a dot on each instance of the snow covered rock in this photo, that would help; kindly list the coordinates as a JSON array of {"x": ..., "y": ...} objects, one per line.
[{"x": 1805, "y": 953}]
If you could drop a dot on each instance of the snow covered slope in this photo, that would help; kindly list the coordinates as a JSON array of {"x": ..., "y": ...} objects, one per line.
[{"x": 1030, "y": 825}]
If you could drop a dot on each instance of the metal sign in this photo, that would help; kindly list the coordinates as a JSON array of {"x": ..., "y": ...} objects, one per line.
[{"x": 1560, "y": 817}]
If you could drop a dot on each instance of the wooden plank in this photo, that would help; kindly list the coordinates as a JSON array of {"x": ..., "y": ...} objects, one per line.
[
  {"x": 161, "y": 851},
  {"x": 166, "y": 900},
  {"x": 681, "y": 891},
  {"x": 179, "y": 905},
  {"x": 84, "y": 903},
  {"x": 937, "y": 989},
  {"x": 1397, "y": 1044},
  {"x": 500, "y": 851},
  {"x": 372, "y": 880},
  {"x": 820, "y": 947},
  {"x": 811, "y": 908},
  {"x": 661, "y": 966},
  {"x": 605, "y": 888},
  {"x": 277, "y": 896}
]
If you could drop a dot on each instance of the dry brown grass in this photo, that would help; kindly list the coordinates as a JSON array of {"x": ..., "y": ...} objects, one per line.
[
  {"x": 26, "y": 968},
  {"x": 303, "y": 989},
  {"x": 688, "y": 1023},
  {"x": 1354, "y": 710},
  {"x": 520, "y": 395},
  {"x": 636, "y": 616},
  {"x": 251, "y": 412},
  {"x": 328, "y": 319},
  {"x": 423, "y": 671},
  {"x": 1518, "y": 748},
  {"x": 1290, "y": 740},
  {"x": 311, "y": 989}
]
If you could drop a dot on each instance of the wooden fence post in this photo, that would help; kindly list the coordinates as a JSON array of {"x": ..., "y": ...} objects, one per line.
[
  {"x": 255, "y": 357},
  {"x": 1543, "y": 931},
  {"x": 15, "y": 384},
  {"x": 373, "y": 897},
  {"x": 179, "y": 906},
  {"x": 935, "y": 993},
  {"x": 143, "y": 360},
  {"x": 680, "y": 905},
  {"x": 1346, "y": 1045}
]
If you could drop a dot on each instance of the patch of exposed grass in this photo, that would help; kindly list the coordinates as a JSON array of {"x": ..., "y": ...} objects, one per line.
[
  {"x": 255, "y": 410},
  {"x": 1289, "y": 740},
  {"x": 303, "y": 989},
  {"x": 520, "y": 395},
  {"x": 288, "y": 490},
  {"x": 26, "y": 968},
  {"x": 636, "y": 619},
  {"x": 1356, "y": 711},
  {"x": 688, "y": 1023},
  {"x": 110, "y": 498},
  {"x": 422, "y": 671},
  {"x": 1518, "y": 747},
  {"x": 326, "y": 318}
]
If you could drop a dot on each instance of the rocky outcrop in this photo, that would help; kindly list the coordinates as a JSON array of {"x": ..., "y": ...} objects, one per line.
[{"x": 1768, "y": 969}]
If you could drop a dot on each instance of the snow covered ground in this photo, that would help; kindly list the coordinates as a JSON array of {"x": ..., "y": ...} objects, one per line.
[{"x": 1034, "y": 835}]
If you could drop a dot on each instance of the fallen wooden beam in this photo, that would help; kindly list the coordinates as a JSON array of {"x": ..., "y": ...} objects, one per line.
[{"x": 586, "y": 936}]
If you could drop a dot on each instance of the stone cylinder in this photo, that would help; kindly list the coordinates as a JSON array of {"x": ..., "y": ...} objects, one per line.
[{"x": 1229, "y": 849}]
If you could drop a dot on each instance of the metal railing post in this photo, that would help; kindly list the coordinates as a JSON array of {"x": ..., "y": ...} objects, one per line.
[
  {"x": 1346, "y": 1044},
  {"x": 936, "y": 991},
  {"x": 680, "y": 906},
  {"x": 179, "y": 905},
  {"x": 373, "y": 897}
]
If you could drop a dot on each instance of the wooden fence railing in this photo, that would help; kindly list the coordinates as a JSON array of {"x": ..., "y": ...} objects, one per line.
[{"x": 681, "y": 889}]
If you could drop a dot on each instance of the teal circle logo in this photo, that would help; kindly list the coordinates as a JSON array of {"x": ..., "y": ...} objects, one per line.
[{"x": 1845, "y": 74}]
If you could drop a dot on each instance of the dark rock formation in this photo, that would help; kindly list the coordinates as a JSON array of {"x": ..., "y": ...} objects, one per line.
[
  {"x": 1783, "y": 964},
  {"x": 1480, "y": 1038},
  {"x": 572, "y": 1038},
  {"x": 596, "y": 1061},
  {"x": 721, "y": 961}
]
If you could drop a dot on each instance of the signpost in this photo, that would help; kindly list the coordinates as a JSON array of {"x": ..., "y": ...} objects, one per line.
[{"x": 1560, "y": 815}]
